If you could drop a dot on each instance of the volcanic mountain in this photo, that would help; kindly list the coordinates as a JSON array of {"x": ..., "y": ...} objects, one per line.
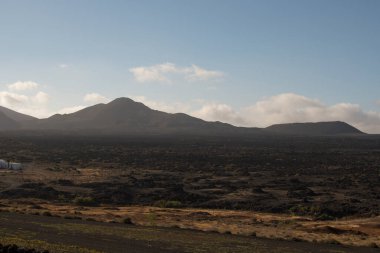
[
  {"x": 125, "y": 116},
  {"x": 318, "y": 128}
]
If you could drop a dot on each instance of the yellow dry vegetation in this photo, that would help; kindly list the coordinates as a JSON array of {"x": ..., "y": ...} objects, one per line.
[{"x": 348, "y": 231}]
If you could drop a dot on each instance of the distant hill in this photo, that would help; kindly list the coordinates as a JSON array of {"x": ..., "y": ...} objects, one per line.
[
  {"x": 319, "y": 128},
  {"x": 6, "y": 123},
  {"x": 125, "y": 116}
]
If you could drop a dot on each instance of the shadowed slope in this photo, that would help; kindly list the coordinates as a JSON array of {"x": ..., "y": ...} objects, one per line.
[
  {"x": 6, "y": 123},
  {"x": 319, "y": 128},
  {"x": 124, "y": 115},
  {"x": 16, "y": 116}
]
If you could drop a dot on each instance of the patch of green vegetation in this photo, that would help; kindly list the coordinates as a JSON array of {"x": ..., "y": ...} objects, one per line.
[
  {"x": 315, "y": 211},
  {"x": 85, "y": 201},
  {"x": 168, "y": 204}
]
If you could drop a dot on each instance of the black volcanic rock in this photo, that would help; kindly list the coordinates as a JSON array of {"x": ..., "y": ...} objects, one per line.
[{"x": 319, "y": 128}]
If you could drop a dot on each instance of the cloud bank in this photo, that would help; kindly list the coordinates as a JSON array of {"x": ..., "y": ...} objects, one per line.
[
  {"x": 22, "y": 86},
  {"x": 220, "y": 112},
  {"x": 288, "y": 108},
  {"x": 35, "y": 105},
  {"x": 94, "y": 98},
  {"x": 166, "y": 72},
  {"x": 89, "y": 99},
  {"x": 281, "y": 108}
]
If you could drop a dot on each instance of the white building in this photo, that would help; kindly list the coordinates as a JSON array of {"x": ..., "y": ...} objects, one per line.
[
  {"x": 3, "y": 164},
  {"x": 10, "y": 165}
]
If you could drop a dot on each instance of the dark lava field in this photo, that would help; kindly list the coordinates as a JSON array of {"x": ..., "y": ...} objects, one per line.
[{"x": 325, "y": 177}]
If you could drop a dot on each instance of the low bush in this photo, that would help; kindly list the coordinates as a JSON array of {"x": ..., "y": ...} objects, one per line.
[
  {"x": 127, "y": 220},
  {"x": 168, "y": 204},
  {"x": 47, "y": 213},
  {"x": 85, "y": 201}
]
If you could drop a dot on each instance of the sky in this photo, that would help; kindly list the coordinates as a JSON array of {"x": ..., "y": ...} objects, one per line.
[{"x": 245, "y": 62}]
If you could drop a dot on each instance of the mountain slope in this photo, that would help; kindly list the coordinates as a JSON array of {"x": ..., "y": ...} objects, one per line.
[
  {"x": 6, "y": 123},
  {"x": 16, "y": 116},
  {"x": 124, "y": 115},
  {"x": 319, "y": 128}
]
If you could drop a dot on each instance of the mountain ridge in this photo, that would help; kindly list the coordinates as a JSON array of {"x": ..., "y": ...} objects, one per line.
[
  {"x": 16, "y": 116},
  {"x": 125, "y": 116}
]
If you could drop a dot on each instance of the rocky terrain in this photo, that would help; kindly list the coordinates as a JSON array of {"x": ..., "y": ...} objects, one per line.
[{"x": 326, "y": 177}]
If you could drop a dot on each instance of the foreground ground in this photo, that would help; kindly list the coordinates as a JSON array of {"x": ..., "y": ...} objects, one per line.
[
  {"x": 314, "y": 189},
  {"x": 364, "y": 232},
  {"x": 62, "y": 235}
]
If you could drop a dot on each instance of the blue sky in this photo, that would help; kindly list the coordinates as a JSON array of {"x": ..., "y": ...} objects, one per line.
[{"x": 218, "y": 60}]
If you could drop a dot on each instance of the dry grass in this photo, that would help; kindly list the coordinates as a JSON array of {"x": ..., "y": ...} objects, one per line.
[
  {"x": 348, "y": 231},
  {"x": 354, "y": 232}
]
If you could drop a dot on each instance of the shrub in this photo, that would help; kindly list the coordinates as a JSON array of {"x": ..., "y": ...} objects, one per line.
[
  {"x": 85, "y": 201},
  {"x": 168, "y": 204},
  {"x": 47, "y": 213},
  {"x": 324, "y": 216},
  {"x": 127, "y": 220}
]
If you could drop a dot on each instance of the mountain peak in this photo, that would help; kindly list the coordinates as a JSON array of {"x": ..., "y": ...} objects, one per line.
[
  {"x": 124, "y": 103},
  {"x": 122, "y": 100}
]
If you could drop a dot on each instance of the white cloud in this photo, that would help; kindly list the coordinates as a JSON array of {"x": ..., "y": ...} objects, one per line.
[
  {"x": 41, "y": 98},
  {"x": 282, "y": 108},
  {"x": 290, "y": 107},
  {"x": 22, "y": 86},
  {"x": 195, "y": 73},
  {"x": 151, "y": 74},
  {"x": 166, "y": 72},
  {"x": 219, "y": 112},
  {"x": 63, "y": 66},
  {"x": 173, "y": 107},
  {"x": 9, "y": 99},
  {"x": 94, "y": 98},
  {"x": 35, "y": 105},
  {"x": 31, "y": 104}
]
